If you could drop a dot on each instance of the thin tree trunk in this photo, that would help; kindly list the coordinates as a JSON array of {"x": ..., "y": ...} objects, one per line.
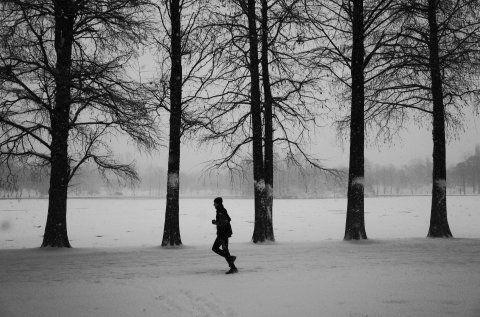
[
  {"x": 477, "y": 168},
  {"x": 268, "y": 126},
  {"x": 56, "y": 226},
  {"x": 439, "y": 227},
  {"x": 355, "y": 223},
  {"x": 171, "y": 231},
  {"x": 259, "y": 232}
]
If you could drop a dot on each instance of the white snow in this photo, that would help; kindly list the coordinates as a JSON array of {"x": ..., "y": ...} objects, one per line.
[
  {"x": 268, "y": 188},
  {"x": 441, "y": 183},
  {"x": 358, "y": 181},
  {"x": 173, "y": 180},
  {"x": 117, "y": 268},
  {"x": 260, "y": 185}
]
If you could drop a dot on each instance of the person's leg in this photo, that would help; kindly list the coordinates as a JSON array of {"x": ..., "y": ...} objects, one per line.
[
  {"x": 216, "y": 247},
  {"x": 230, "y": 259},
  {"x": 226, "y": 253}
]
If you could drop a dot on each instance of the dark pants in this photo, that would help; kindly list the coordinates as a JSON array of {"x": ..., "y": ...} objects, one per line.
[{"x": 222, "y": 242}]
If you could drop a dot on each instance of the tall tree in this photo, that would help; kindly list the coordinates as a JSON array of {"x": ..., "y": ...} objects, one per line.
[
  {"x": 438, "y": 220},
  {"x": 437, "y": 73},
  {"x": 283, "y": 80},
  {"x": 171, "y": 231},
  {"x": 355, "y": 225},
  {"x": 268, "y": 119},
  {"x": 64, "y": 90},
  {"x": 259, "y": 233},
  {"x": 351, "y": 37},
  {"x": 184, "y": 46},
  {"x": 56, "y": 227}
]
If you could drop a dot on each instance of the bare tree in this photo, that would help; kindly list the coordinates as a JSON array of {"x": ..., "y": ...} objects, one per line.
[
  {"x": 259, "y": 233},
  {"x": 286, "y": 88},
  {"x": 65, "y": 92},
  {"x": 466, "y": 173},
  {"x": 350, "y": 36},
  {"x": 437, "y": 74},
  {"x": 438, "y": 221},
  {"x": 171, "y": 231},
  {"x": 184, "y": 48},
  {"x": 355, "y": 225},
  {"x": 268, "y": 121}
]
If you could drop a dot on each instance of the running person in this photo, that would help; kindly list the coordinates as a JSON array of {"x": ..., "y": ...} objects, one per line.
[{"x": 224, "y": 231}]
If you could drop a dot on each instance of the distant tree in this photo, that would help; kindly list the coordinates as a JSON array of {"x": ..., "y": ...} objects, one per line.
[
  {"x": 8, "y": 176},
  {"x": 476, "y": 162},
  {"x": 408, "y": 178},
  {"x": 466, "y": 173},
  {"x": 462, "y": 173},
  {"x": 65, "y": 93}
]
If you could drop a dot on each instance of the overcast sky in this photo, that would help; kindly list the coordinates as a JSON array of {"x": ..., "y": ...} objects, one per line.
[{"x": 413, "y": 144}]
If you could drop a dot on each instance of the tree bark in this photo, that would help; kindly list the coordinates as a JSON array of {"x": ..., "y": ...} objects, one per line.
[
  {"x": 439, "y": 227},
  {"x": 56, "y": 226},
  {"x": 268, "y": 111},
  {"x": 355, "y": 223},
  {"x": 259, "y": 232},
  {"x": 171, "y": 231}
]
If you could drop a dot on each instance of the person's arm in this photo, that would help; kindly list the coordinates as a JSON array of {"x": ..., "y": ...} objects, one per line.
[{"x": 223, "y": 219}]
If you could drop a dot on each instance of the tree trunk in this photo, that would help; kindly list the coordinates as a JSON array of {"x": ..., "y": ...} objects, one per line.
[
  {"x": 259, "y": 232},
  {"x": 355, "y": 223},
  {"x": 171, "y": 231},
  {"x": 268, "y": 126},
  {"x": 477, "y": 172},
  {"x": 56, "y": 226},
  {"x": 438, "y": 219},
  {"x": 471, "y": 168}
]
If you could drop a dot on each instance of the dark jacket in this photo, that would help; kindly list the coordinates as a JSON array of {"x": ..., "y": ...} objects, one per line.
[{"x": 222, "y": 220}]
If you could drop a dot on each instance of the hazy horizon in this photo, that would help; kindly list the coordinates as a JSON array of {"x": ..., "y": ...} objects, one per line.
[{"x": 411, "y": 145}]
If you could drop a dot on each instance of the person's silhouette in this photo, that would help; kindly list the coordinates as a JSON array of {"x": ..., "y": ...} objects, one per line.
[{"x": 224, "y": 231}]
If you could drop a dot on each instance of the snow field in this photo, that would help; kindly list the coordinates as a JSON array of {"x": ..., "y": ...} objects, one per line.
[
  {"x": 116, "y": 267},
  {"x": 139, "y": 222}
]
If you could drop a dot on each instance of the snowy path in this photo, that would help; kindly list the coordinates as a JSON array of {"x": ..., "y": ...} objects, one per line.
[{"x": 404, "y": 277}]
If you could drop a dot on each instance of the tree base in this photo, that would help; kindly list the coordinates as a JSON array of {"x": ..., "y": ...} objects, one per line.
[
  {"x": 175, "y": 242},
  {"x": 355, "y": 235},
  {"x": 56, "y": 244},
  {"x": 263, "y": 240},
  {"x": 445, "y": 235},
  {"x": 55, "y": 237},
  {"x": 439, "y": 229}
]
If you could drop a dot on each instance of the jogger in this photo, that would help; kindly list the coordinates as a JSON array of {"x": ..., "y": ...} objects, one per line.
[{"x": 224, "y": 231}]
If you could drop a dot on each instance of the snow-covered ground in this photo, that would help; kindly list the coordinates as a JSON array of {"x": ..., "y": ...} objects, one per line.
[{"x": 117, "y": 268}]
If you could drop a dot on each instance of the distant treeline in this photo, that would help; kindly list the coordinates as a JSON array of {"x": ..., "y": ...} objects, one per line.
[{"x": 291, "y": 181}]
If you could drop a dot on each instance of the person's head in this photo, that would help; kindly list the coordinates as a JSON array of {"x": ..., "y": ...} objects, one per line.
[{"x": 217, "y": 202}]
